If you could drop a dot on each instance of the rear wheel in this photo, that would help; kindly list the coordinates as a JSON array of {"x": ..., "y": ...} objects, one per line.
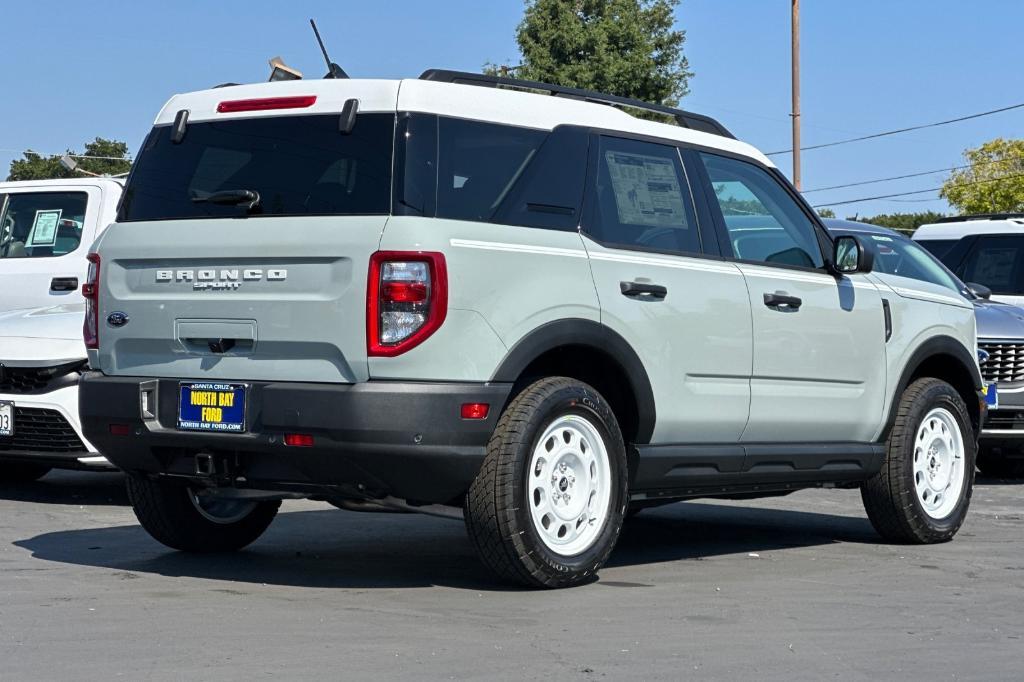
[
  {"x": 22, "y": 472},
  {"x": 547, "y": 506},
  {"x": 993, "y": 462},
  {"x": 923, "y": 491},
  {"x": 193, "y": 520}
]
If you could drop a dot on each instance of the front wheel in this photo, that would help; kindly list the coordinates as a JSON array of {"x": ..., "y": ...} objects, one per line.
[
  {"x": 547, "y": 506},
  {"x": 191, "y": 520},
  {"x": 923, "y": 491}
]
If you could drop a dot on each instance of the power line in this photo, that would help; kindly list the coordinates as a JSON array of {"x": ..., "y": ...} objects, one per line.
[
  {"x": 900, "y": 130},
  {"x": 909, "y": 175},
  {"x": 920, "y": 191}
]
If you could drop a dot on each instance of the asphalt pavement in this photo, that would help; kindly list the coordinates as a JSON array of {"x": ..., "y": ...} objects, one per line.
[{"x": 795, "y": 588}]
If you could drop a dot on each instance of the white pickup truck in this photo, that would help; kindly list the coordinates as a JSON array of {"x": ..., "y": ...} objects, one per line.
[{"x": 46, "y": 228}]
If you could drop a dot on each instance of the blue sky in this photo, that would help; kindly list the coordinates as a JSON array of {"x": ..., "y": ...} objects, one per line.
[{"x": 75, "y": 70}]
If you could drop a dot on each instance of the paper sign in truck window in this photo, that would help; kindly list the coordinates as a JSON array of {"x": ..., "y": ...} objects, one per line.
[
  {"x": 646, "y": 189},
  {"x": 44, "y": 228}
]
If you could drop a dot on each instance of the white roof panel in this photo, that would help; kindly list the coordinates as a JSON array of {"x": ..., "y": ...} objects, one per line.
[{"x": 496, "y": 105}]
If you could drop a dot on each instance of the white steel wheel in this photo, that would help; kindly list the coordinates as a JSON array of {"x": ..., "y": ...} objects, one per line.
[
  {"x": 938, "y": 466},
  {"x": 569, "y": 485},
  {"x": 220, "y": 510}
]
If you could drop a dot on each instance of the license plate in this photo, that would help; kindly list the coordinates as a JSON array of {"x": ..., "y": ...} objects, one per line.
[
  {"x": 6, "y": 418},
  {"x": 211, "y": 407},
  {"x": 991, "y": 395}
]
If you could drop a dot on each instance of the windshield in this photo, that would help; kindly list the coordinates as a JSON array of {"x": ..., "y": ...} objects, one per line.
[
  {"x": 899, "y": 256},
  {"x": 297, "y": 165},
  {"x": 41, "y": 224}
]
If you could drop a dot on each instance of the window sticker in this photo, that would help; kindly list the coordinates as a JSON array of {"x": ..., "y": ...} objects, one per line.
[
  {"x": 44, "y": 228},
  {"x": 646, "y": 190}
]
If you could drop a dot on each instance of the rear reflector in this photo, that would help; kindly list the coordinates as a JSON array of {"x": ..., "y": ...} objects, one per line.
[
  {"x": 266, "y": 104},
  {"x": 475, "y": 410},
  {"x": 299, "y": 440},
  {"x": 120, "y": 430}
]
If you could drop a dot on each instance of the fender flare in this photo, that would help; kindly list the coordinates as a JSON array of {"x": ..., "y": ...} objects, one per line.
[
  {"x": 936, "y": 345},
  {"x": 596, "y": 336}
]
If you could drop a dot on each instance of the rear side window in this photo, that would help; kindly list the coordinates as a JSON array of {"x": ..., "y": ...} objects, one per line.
[
  {"x": 299, "y": 165},
  {"x": 641, "y": 198},
  {"x": 478, "y": 164},
  {"x": 938, "y": 247},
  {"x": 764, "y": 222},
  {"x": 996, "y": 262},
  {"x": 41, "y": 224}
]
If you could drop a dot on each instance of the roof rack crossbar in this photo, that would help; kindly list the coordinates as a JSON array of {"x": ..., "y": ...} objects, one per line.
[
  {"x": 684, "y": 119},
  {"x": 980, "y": 216}
]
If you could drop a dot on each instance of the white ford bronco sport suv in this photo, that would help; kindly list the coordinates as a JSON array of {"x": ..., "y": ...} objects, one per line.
[{"x": 536, "y": 312}]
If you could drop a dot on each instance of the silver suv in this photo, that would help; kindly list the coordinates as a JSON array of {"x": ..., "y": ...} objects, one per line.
[{"x": 535, "y": 312}]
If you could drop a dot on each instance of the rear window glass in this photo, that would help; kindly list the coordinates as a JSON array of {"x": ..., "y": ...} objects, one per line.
[
  {"x": 41, "y": 224},
  {"x": 298, "y": 165}
]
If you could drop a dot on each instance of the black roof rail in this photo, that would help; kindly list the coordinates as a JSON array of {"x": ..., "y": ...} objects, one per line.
[
  {"x": 981, "y": 216},
  {"x": 684, "y": 119}
]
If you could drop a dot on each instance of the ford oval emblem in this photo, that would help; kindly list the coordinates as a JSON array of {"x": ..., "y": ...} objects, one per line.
[{"x": 117, "y": 319}]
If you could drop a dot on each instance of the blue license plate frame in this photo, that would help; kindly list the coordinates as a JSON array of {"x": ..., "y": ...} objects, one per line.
[
  {"x": 212, "y": 406},
  {"x": 991, "y": 395}
]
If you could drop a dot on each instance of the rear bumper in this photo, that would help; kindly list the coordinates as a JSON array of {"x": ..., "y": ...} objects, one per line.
[
  {"x": 47, "y": 431},
  {"x": 405, "y": 439}
]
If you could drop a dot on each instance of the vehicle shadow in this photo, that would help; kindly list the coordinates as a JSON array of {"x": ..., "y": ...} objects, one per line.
[
  {"x": 70, "y": 487},
  {"x": 332, "y": 549},
  {"x": 991, "y": 481},
  {"x": 694, "y": 530}
]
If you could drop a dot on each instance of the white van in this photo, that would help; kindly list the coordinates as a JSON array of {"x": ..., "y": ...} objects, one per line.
[{"x": 46, "y": 228}]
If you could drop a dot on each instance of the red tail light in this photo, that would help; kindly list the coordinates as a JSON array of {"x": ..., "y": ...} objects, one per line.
[
  {"x": 91, "y": 292},
  {"x": 266, "y": 104},
  {"x": 406, "y": 300}
]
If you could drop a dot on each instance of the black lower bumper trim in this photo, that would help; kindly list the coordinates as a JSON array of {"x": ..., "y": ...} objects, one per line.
[{"x": 405, "y": 439}]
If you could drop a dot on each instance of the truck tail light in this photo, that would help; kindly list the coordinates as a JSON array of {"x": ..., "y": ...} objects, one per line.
[
  {"x": 406, "y": 300},
  {"x": 91, "y": 292}
]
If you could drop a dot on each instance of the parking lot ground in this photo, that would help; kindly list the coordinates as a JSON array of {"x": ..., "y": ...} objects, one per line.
[{"x": 785, "y": 588}]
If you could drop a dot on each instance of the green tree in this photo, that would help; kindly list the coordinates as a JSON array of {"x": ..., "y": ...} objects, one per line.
[
  {"x": 904, "y": 222},
  {"x": 37, "y": 167},
  {"x": 994, "y": 183},
  {"x": 826, "y": 213},
  {"x": 622, "y": 47}
]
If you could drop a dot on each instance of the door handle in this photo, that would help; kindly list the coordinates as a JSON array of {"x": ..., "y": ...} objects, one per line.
[
  {"x": 64, "y": 284},
  {"x": 643, "y": 291},
  {"x": 782, "y": 302}
]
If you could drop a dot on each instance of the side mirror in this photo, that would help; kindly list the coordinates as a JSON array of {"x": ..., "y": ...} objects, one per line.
[
  {"x": 979, "y": 290},
  {"x": 849, "y": 256}
]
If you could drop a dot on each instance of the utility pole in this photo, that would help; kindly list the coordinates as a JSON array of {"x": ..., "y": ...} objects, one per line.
[{"x": 796, "y": 92}]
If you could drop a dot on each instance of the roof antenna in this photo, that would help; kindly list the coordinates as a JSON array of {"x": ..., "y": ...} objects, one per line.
[{"x": 333, "y": 70}]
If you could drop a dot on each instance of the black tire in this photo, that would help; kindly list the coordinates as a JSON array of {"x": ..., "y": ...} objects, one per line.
[
  {"x": 890, "y": 497},
  {"x": 22, "y": 472},
  {"x": 497, "y": 511},
  {"x": 994, "y": 463},
  {"x": 165, "y": 510}
]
